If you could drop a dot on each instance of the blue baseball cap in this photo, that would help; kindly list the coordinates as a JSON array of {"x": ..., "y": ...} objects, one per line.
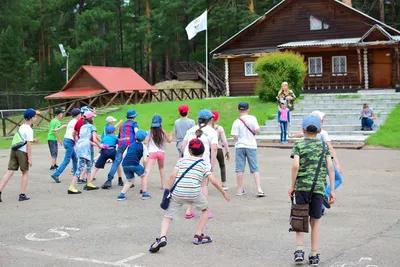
[
  {"x": 205, "y": 114},
  {"x": 131, "y": 113},
  {"x": 110, "y": 129},
  {"x": 30, "y": 113},
  {"x": 85, "y": 108},
  {"x": 311, "y": 121},
  {"x": 141, "y": 135},
  {"x": 243, "y": 106},
  {"x": 156, "y": 121},
  {"x": 75, "y": 112}
]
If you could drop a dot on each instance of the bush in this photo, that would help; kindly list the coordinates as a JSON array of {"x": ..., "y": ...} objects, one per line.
[{"x": 275, "y": 68}]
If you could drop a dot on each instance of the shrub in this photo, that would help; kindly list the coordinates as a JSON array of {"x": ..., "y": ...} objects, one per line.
[{"x": 278, "y": 67}]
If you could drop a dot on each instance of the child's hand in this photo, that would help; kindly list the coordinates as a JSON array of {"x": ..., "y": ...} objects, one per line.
[
  {"x": 105, "y": 146},
  {"x": 291, "y": 191},
  {"x": 227, "y": 197},
  {"x": 332, "y": 197},
  {"x": 227, "y": 156},
  {"x": 37, "y": 140},
  {"x": 290, "y": 124},
  {"x": 278, "y": 125}
]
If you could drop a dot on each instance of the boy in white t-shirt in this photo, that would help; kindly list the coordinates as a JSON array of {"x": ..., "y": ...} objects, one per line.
[
  {"x": 21, "y": 158},
  {"x": 244, "y": 131}
]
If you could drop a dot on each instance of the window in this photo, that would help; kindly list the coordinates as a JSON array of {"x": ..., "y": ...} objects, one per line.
[
  {"x": 339, "y": 65},
  {"x": 315, "y": 66},
  {"x": 249, "y": 69},
  {"x": 317, "y": 25}
]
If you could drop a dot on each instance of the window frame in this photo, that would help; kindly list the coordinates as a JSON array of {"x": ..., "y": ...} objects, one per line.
[
  {"x": 324, "y": 26},
  {"x": 315, "y": 74},
  {"x": 341, "y": 73},
  {"x": 251, "y": 74}
]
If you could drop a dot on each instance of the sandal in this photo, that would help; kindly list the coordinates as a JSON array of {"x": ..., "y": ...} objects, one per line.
[
  {"x": 159, "y": 243},
  {"x": 190, "y": 216},
  {"x": 201, "y": 239}
]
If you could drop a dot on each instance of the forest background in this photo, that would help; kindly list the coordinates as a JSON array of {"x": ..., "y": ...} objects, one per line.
[{"x": 146, "y": 35}]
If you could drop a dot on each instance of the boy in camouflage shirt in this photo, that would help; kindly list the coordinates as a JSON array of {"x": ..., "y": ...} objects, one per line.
[{"x": 306, "y": 154}]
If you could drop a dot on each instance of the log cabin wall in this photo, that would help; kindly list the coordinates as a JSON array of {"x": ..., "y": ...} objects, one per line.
[
  {"x": 85, "y": 80},
  {"x": 239, "y": 84}
]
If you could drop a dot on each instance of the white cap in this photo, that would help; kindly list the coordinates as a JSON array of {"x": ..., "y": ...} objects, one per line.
[
  {"x": 318, "y": 113},
  {"x": 111, "y": 119}
]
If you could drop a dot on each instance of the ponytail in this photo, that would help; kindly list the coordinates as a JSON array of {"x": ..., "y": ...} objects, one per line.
[{"x": 202, "y": 123}]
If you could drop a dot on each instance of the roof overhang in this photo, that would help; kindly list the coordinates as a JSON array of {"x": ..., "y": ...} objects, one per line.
[
  {"x": 245, "y": 52},
  {"x": 74, "y": 93}
]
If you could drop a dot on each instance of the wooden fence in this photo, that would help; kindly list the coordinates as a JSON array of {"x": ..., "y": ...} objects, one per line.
[{"x": 104, "y": 100}]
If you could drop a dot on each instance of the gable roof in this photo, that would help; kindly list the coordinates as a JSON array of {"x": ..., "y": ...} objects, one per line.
[
  {"x": 376, "y": 27},
  {"x": 283, "y": 3},
  {"x": 113, "y": 79}
]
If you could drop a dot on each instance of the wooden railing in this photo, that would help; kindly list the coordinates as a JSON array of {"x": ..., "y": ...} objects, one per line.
[{"x": 332, "y": 81}]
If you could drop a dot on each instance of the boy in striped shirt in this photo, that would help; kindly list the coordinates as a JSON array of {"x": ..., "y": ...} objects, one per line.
[{"x": 188, "y": 191}]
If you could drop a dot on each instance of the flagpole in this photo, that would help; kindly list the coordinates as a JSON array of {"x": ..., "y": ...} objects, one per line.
[{"x": 207, "y": 60}]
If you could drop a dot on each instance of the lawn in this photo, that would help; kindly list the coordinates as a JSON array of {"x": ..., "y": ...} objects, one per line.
[
  {"x": 226, "y": 106},
  {"x": 388, "y": 134}
]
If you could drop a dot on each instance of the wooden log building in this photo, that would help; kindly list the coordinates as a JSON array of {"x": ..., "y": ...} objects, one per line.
[{"x": 345, "y": 49}]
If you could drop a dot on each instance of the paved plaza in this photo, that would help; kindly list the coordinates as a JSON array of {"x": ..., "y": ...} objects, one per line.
[{"x": 94, "y": 229}]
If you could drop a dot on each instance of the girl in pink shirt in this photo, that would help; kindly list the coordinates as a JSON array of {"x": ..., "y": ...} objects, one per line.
[{"x": 283, "y": 120}]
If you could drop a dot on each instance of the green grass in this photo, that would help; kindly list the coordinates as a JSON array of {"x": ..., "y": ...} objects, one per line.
[
  {"x": 348, "y": 96},
  {"x": 388, "y": 134},
  {"x": 227, "y": 108}
]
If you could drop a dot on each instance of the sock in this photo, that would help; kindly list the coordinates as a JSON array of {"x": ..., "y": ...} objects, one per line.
[
  {"x": 314, "y": 253},
  {"x": 300, "y": 248}
]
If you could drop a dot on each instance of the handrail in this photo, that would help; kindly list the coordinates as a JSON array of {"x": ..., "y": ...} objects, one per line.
[{"x": 332, "y": 80}]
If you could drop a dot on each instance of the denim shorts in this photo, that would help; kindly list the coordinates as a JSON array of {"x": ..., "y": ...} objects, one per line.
[
  {"x": 53, "y": 147},
  {"x": 130, "y": 171},
  {"x": 241, "y": 155}
]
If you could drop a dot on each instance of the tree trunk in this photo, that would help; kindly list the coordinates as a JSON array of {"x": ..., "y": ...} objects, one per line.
[
  {"x": 382, "y": 10},
  {"x": 251, "y": 6},
  {"x": 149, "y": 67},
  {"x": 120, "y": 32},
  {"x": 81, "y": 4},
  {"x": 393, "y": 9},
  {"x": 186, "y": 23}
]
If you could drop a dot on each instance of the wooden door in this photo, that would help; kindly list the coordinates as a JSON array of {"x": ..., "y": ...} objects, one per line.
[{"x": 380, "y": 68}]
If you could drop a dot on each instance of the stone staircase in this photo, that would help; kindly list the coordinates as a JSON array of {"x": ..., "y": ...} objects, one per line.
[{"x": 342, "y": 115}]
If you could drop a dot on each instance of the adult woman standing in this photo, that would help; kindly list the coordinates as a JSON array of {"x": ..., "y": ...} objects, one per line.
[{"x": 286, "y": 94}]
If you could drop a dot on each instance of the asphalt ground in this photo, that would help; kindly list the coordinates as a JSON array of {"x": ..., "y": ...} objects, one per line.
[{"x": 94, "y": 229}]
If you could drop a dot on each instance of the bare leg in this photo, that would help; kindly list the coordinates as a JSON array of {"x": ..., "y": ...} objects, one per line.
[
  {"x": 53, "y": 161},
  {"x": 24, "y": 181},
  {"x": 189, "y": 210},
  {"x": 203, "y": 221},
  {"x": 127, "y": 185},
  {"x": 73, "y": 182},
  {"x": 143, "y": 185},
  {"x": 299, "y": 239},
  {"x": 119, "y": 171},
  {"x": 162, "y": 172},
  {"x": 239, "y": 177},
  {"x": 257, "y": 181},
  {"x": 165, "y": 224},
  {"x": 5, "y": 179},
  {"x": 315, "y": 228},
  {"x": 92, "y": 175}
]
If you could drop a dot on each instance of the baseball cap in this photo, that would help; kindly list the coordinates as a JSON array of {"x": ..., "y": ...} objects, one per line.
[
  {"x": 196, "y": 147},
  {"x": 75, "y": 112},
  {"x": 318, "y": 113},
  {"x": 156, "y": 121},
  {"x": 215, "y": 115},
  {"x": 89, "y": 114},
  {"x": 205, "y": 114},
  {"x": 131, "y": 113},
  {"x": 243, "y": 106},
  {"x": 183, "y": 108},
  {"x": 30, "y": 113},
  {"x": 141, "y": 135},
  {"x": 111, "y": 119},
  {"x": 311, "y": 121},
  {"x": 110, "y": 129},
  {"x": 58, "y": 111},
  {"x": 85, "y": 108}
]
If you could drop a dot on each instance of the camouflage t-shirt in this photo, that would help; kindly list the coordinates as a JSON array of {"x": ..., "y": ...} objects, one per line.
[{"x": 309, "y": 150}]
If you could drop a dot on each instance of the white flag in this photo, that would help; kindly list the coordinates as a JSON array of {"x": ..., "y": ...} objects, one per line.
[{"x": 197, "y": 25}]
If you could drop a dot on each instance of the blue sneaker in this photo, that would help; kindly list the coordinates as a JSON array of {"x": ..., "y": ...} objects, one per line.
[
  {"x": 145, "y": 196},
  {"x": 121, "y": 197}
]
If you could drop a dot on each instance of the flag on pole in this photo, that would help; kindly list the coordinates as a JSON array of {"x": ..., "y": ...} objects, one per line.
[{"x": 197, "y": 25}]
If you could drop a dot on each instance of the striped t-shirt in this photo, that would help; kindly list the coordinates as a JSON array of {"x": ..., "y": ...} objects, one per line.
[{"x": 189, "y": 187}]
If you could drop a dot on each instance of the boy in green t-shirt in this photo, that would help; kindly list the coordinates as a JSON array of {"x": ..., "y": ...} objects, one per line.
[
  {"x": 306, "y": 154},
  {"x": 53, "y": 137}
]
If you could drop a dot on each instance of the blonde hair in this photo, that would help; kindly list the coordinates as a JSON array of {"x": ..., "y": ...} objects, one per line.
[{"x": 283, "y": 84}]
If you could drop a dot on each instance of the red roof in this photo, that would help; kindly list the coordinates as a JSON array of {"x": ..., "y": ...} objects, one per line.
[{"x": 75, "y": 93}]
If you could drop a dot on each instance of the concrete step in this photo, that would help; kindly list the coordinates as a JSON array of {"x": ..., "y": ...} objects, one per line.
[
  {"x": 330, "y": 121},
  {"x": 276, "y": 131},
  {"x": 394, "y": 96},
  {"x": 349, "y": 102},
  {"x": 327, "y": 127},
  {"x": 334, "y": 138},
  {"x": 320, "y": 106},
  {"x": 349, "y": 110},
  {"x": 341, "y": 116}
]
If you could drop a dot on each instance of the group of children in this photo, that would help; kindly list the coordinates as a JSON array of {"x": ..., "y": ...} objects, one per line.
[{"x": 199, "y": 147}]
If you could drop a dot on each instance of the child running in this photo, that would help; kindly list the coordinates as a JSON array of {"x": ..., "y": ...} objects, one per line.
[
  {"x": 53, "y": 137},
  {"x": 222, "y": 144},
  {"x": 131, "y": 166},
  {"x": 188, "y": 191},
  {"x": 84, "y": 151},
  {"x": 156, "y": 147},
  {"x": 21, "y": 157},
  {"x": 283, "y": 120},
  {"x": 308, "y": 182},
  {"x": 181, "y": 126}
]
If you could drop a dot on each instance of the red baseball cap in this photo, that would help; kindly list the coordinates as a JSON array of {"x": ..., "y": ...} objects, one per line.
[
  {"x": 215, "y": 115},
  {"x": 183, "y": 108}
]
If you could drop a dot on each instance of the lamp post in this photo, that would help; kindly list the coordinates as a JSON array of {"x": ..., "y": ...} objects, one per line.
[{"x": 64, "y": 54}]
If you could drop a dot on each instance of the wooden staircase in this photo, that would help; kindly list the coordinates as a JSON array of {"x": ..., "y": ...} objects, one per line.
[{"x": 194, "y": 71}]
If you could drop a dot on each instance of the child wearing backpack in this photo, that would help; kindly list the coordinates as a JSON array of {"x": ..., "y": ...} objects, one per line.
[
  {"x": 21, "y": 153},
  {"x": 308, "y": 182},
  {"x": 189, "y": 175}
]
